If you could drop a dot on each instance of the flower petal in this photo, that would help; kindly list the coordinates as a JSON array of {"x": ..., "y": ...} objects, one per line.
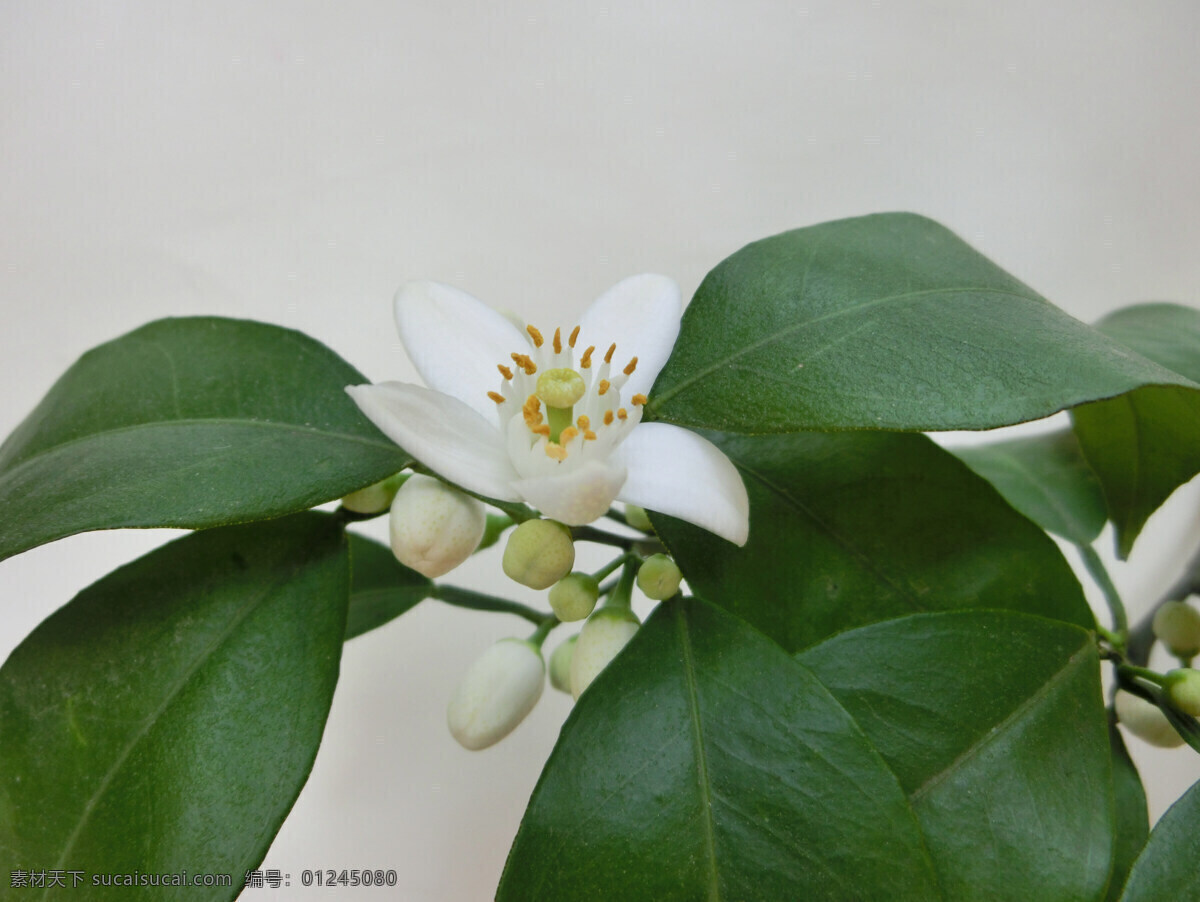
[
  {"x": 456, "y": 341},
  {"x": 641, "y": 314},
  {"x": 442, "y": 433},
  {"x": 675, "y": 471},
  {"x": 580, "y": 495}
]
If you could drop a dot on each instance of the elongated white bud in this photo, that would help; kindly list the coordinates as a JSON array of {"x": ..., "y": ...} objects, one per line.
[
  {"x": 602, "y": 637},
  {"x": 1145, "y": 721},
  {"x": 1177, "y": 625},
  {"x": 560, "y": 665},
  {"x": 496, "y": 693},
  {"x": 434, "y": 527}
]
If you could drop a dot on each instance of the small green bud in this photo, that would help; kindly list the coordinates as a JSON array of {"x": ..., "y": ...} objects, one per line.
[
  {"x": 601, "y": 639},
  {"x": 560, "y": 665},
  {"x": 1177, "y": 625},
  {"x": 574, "y": 596},
  {"x": 539, "y": 553},
  {"x": 374, "y": 499},
  {"x": 1144, "y": 720},
  {"x": 659, "y": 577},
  {"x": 636, "y": 517},
  {"x": 1183, "y": 688}
]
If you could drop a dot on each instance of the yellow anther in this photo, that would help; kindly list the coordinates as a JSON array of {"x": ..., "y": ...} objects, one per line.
[
  {"x": 567, "y": 434},
  {"x": 612, "y": 349},
  {"x": 525, "y": 362},
  {"x": 535, "y": 335},
  {"x": 589, "y": 436},
  {"x": 504, "y": 371},
  {"x": 583, "y": 423},
  {"x": 586, "y": 360},
  {"x": 630, "y": 367},
  {"x": 574, "y": 336},
  {"x": 496, "y": 396},
  {"x": 608, "y": 417},
  {"x": 621, "y": 414},
  {"x": 605, "y": 385},
  {"x": 557, "y": 452},
  {"x": 638, "y": 399},
  {"x": 558, "y": 341},
  {"x": 532, "y": 411},
  {"x": 540, "y": 429}
]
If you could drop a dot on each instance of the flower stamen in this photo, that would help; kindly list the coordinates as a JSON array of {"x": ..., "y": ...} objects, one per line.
[
  {"x": 585, "y": 362},
  {"x": 638, "y": 400},
  {"x": 630, "y": 367},
  {"x": 535, "y": 335},
  {"x": 496, "y": 396},
  {"x": 608, "y": 417},
  {"x": 574, "y": 336},
  {"x": 621, "y": 414},
  {"x": 525, "y": 362},
  {"x": 612, "y": 349},
  {"x": 556, "y": 451},
  {"x": 558, "y": 341},
  {"x": 505, "y": 371},
  {"x": 605, "y": 385}
]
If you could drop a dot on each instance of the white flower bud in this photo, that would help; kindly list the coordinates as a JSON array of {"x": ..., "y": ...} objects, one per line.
[
  {"x": 539, "y": 553},
  {"x": 1144, "y": 720},
  {"x": 574, "y": 596},
  {"x": 560, "y": 665},
  {"x": 659, "y": 577},
  {"x": 636, "y": 517},
  {"x": 434, "y": 527},
  {"x": 1177, "y": 625},
  {"x": 1183, "y": 688},
  {"x": 602, "y": 637},
  {"x": 374, "y": 499},
  {"x": 496, "y": 693}
]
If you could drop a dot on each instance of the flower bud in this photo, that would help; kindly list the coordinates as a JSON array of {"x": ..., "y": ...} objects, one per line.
[
  {"x": 374, "y": 499},
  {"x": 602, "y": 637},
  {"x": 574, "y": 596},
  {"x": 560, "y": 665},
  {"x": 496, "y": 693},
  {"x": 1177, "y": 625},
  {"x": 636, "y": 517},
  {"x": 1183, "y": 688},
  {"x": 1144, "y": 720},
  {"x": 434, "y": 527},
  {"x": 539, "y": 553},
  {"x": 659, "y": 577}
]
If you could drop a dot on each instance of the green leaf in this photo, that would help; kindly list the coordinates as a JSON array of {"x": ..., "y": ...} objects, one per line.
[
  {"x": 1145, "y": 444},
  {"x": 1133, "y": 821},
  {"x": 995, "y": 726},
  {"x": 381, "y": 588},
  {"x": 703, "y": 763},
  {"x": 167, "y": 717},
  {"x": 188, "y": 423},
  {"x": 1166, "y": 869},
  {"x": 1046, "y": 478},
  {"x": 882, "y": 322},
  {"x": 850, "y": 528}
]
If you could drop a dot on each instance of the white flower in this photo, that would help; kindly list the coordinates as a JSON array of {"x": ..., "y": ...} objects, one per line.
[
  {"x": 554, "y": 421},
  {"x": 496, "y": 693}
]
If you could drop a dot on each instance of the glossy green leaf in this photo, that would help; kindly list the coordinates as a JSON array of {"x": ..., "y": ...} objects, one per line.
[
  {"x": 1167, "y": 871},
  {"x": 381, "y": 588},
  {"x": 167, "y": 717},
  {"x": 706, "y": 764},
  {"x": 1146, "y": 444},
  {"x": 850, "y": 528},
  {"x": 1132, "y": 817},
  {"x": 189, "y": 423},
  {"x": 882, "y": 322},
  {"x": 995, "y": 726},
  {"x": 1046, "y": 478}
]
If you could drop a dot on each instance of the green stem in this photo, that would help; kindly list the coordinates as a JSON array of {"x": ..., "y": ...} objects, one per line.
[
  {"x": 1133, "y": 670},
  {"x": 543, "y": 630},
  {"x": 621, "y": 597},
  {"x": 477, "y": 601},
  {"x": 612, "y": 565},
  {"x": 1116, "y": 607},
  {"x": 592, "y": 534}
]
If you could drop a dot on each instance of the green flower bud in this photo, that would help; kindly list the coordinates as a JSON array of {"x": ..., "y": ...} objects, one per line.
[
  {"x": 659, "y": 577},
  {"x": 1144, "y": 720},
  {"x": 636, "y": 517},
  {"x": 539, "y": 553},
  {"x": 560, "y": 665},
  {"x": 496, "y": 693},
  {"x": 574, "y": 596},
  {"x": 1177, "y": 625},
  {"x": 434, "y": 527},
  {"x": 374, "y": 499},
  {"x": 601, "y": 639},
  {"x": 1183, "y": 688}
]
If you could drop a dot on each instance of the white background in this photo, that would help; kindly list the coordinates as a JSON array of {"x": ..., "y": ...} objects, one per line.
[{"x": 296, "y": 162}]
